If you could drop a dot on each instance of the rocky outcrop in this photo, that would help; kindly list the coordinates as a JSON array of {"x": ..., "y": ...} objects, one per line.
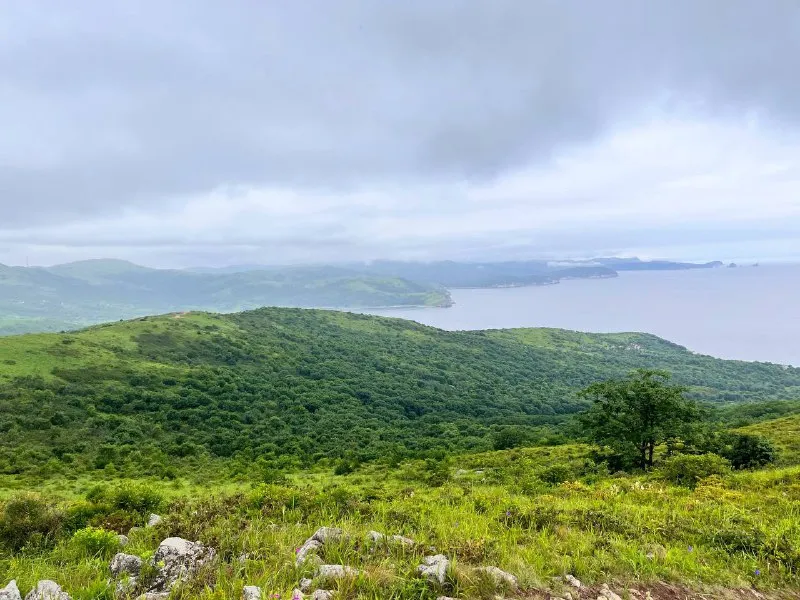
[
  {"x": 10, "y": 592},
  {"x": 177, "y": 560},
  {"x": 434, "y": 568},
  {"x": 500, "y": 577},
  {"x": 125, "y": 564},
  {"x": 47, "y": 590}
]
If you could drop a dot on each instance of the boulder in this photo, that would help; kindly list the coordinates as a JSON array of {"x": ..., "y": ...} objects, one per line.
[
  {"x": 327, "y": 534},
  {"x": 251, "y": 592},
  {"x": 434, "y": 568},
  {"x": 178, "y": 560},
  {"x": 303, "y": 552},
  {"x": 336, "y": 572},
  {"x": 10, "y": 592},
  {"x": 47, "y": 590},
  {"x": 153, "y": 520},
  {"x": 573, "y": 581},
  {"x": 500, "y": 577},
  {"x": 125, "y": 564}
]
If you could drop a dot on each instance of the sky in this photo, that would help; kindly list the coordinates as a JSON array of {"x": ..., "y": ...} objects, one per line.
[{"x": 199, "y": 132}]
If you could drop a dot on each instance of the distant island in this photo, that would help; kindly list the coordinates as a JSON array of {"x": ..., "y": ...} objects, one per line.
[{"x": 72, "y": 295}]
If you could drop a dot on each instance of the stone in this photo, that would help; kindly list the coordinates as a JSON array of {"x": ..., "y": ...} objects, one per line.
[
  {"x": 303, "y": 552},
  {"x": 154, "y": 596},
  {"x": 125, "y": 564},
  {"x": 327, "y": 534},
  {"x": 178, "y": 560},
  {"x": 444, "y": 598},
  {"x": 500, "y": 577},
  {"x": 305, "y": 585},
  {"x": 607, "y": 594},
  {"x": 322, "y": 595},
  {"x": 251, "y": 592},
  {"x": 336, "y": 571},
  {"x": 153, "y": 520},
  {"x": 11, "y": 591},
  {"x": 123, "y": 540},
  {"x": 47, "y": 590},
  {"x": 125, "y": 587},
  {"x": 378, "y": 538},
  {"x": 573, "y": 581},
  {"x": 434, "y": 568}
]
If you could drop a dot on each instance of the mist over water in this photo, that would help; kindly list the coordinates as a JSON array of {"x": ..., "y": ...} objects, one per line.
[{"x": 745, "y": 313}]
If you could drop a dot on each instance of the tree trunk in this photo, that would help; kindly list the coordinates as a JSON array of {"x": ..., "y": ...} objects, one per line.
[{"x": 651, "y": 449}]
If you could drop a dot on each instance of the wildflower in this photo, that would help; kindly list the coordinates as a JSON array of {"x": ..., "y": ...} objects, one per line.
[
  {"x": 691, "y": 548},
  {"x": 758, "y": 572},
  {"x": 508, "y": 513}
]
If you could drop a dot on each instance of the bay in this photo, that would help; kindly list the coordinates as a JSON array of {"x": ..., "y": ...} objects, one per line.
[{"x": 745, "y": 313}]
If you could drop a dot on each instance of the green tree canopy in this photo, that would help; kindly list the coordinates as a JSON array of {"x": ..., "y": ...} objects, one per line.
[{"x": 634, "y": 415}]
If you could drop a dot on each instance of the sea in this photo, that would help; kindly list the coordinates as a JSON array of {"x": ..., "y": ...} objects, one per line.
[{"x": 746, "y": 313}]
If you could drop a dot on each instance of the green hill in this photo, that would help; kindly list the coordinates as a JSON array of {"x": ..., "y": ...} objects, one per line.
[
  {"x": 293, "y": 386},
  {"x": 82, "y": 293}
]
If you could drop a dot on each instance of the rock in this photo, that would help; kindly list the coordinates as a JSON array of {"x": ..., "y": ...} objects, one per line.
[
  {"x": 377, "y": 538},
  {"x": 181, "y": 559},
  {"x": 336, "y": 572},
  {"x": 322, "y": 595},
  {"x": 434, "y": 568},
  {"x": 154, "y": 596},
  {"x": 500, "y": 577},
  {"x": 327, "y": 534},
  {"x": 573, "y": 581},
  {"x": 125, "y": 564},
  {"x": 444, "y": 598},
  {"x": 607, "y": 594},
  {"x": 305, "y": 585},
  {"x": 123, "y": 540},
  {"x": 125, "y": 587},
  {"x": 303, "y": 552},
  {"x": 47, "y": 590},
  {"x": 403, "y": 541},
  {"x": 11, "y": 591},
  {"x": 153, "y": 520},
  {"x": 251, "y": 592}
]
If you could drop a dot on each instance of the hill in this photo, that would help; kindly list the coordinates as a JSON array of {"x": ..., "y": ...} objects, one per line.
[
  {"x": 293, "y": 386},
  {"x": 78, "y": 294}
]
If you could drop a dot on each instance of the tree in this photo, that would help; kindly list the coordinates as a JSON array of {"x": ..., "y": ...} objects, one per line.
[
  {"x": 749, "y": 451},
  {"x": 634, "y": 415}
]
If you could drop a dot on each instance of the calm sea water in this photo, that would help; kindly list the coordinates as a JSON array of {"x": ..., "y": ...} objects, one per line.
[{"x": 747, "y": 313}]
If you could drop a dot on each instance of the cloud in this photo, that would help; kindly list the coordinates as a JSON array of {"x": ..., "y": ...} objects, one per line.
[{"x": 185, "y": 132}]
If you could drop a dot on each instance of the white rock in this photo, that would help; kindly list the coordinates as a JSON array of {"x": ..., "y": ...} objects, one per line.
[
  {"x": 322, "y": 595},
  {"x": 607, "y": 594},
  {"x": 305, "y": 585},
  {"x": 251, "y": 592},
  {"x": 303, "y": 552},
  {"x": 180, "y": 559},
  {"x": 434, "y": 568},
  {"x": 125, "y": 564},
  {"x": 47, "y": 590},
  {"x": 123, "y": 540},
  {"x": 154, "y": 596},
  {"x": 327, "y": 534},
  {"x": 10, "y": 592},
  {"x": 153, "y": 520},
  {"x": 500, "y": 577},
  {"x": 570, "y": 579},
  {"x": 336, "y": 571}
]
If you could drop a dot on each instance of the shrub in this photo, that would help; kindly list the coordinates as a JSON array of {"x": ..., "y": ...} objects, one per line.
[
  {"x": 94, "y": 541},
  {"x": 750, "y": 451},
  {"x": 689, "y": 469},
  {"x": 555, "y": 474},
  {"x": 29, "y": 520},
  {"x": 135, "y": 497}
]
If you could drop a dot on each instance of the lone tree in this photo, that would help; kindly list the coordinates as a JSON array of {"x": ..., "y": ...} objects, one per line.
[{"x": 634, "y": 415}]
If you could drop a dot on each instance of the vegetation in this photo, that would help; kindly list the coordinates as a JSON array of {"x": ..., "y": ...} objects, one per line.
[{"x": 78, "y": 294}]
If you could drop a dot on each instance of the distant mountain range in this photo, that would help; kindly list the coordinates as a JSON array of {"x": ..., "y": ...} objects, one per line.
[{"x": 86, "y": 292}]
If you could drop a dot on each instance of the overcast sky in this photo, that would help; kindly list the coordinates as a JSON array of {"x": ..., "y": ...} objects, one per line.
[{"x": 197, "y": 132}]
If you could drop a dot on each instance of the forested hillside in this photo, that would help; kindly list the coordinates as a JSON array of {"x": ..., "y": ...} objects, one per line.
[{"x": 290, "y": 386}]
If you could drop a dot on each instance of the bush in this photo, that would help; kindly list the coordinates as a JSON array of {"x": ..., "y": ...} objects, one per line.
[
  {"x": 95, "y": 542},
  {"x": 129, "y": 497},
  {"x": 689, "y": 469},
  {"x": 555, "y": 474},
  {"x": 28, "y": 520},
  {"x": 750, "y": 451}
]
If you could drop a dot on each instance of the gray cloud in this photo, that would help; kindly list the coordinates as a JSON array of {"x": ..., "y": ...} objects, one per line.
[{"x": 113, "y": 105}]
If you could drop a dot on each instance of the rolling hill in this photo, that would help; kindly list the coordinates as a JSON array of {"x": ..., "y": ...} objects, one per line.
[{"x": 294, "y": 386}]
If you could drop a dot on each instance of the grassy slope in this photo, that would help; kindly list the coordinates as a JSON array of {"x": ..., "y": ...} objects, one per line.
[{"x": 299, "y": 385}]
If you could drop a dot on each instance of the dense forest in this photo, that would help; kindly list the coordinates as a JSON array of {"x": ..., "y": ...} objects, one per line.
[{"x": 289, "y": 387}]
